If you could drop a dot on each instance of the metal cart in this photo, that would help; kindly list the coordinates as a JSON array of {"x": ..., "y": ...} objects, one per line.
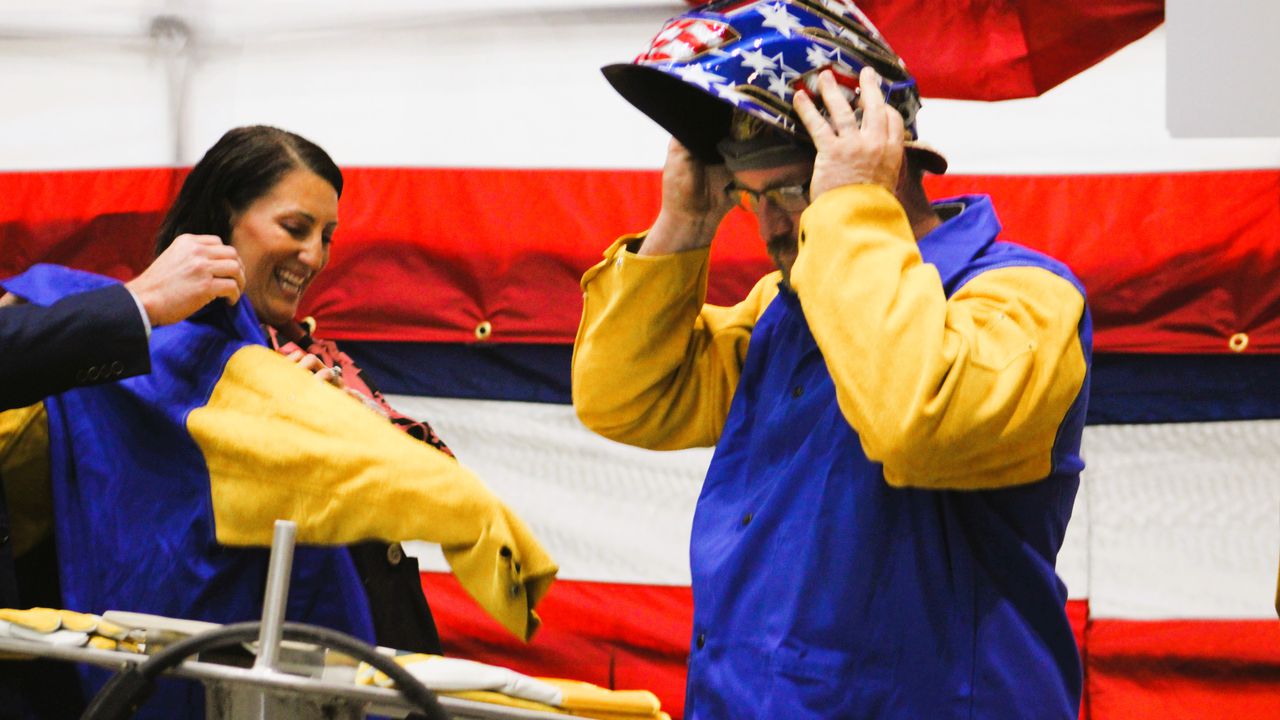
[{"x": 271, "y": 689}]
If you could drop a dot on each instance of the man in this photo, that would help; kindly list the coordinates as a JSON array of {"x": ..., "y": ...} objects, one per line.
[
  {"x": 896, "y": 412},
  {"x": 95, "y": 336},
  {"x": 100, "y": 335}
]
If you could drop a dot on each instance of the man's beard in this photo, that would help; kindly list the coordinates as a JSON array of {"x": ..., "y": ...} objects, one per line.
[
  {"x": 778, "y": 244},
  {"x": 782, "y": 250}
]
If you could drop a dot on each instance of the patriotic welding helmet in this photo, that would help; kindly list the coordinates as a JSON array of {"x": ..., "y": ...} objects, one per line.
[{"x": 752, "y": 56}]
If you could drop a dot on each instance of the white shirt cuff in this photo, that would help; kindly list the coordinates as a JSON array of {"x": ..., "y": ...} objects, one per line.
[{"x": 146, "y": 321}]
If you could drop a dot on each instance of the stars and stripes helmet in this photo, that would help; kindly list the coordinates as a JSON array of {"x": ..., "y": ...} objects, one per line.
[{"x": 752, "y": 56}]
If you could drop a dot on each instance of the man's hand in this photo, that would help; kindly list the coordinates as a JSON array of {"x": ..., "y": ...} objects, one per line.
[
  {"x": 188, "y": 275},
  {"x": 850, "y": 154},
  {"x": 693, "y": 204}
]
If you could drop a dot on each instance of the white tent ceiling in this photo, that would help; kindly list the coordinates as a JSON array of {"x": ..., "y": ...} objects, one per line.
[
  {"x": 118, "y": 83},
  {"x": 489, "y": 83}
]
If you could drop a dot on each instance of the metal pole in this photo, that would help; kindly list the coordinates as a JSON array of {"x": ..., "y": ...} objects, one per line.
[
  {"x": 174, "y": 41},
  {"x": 273, "y": 604}
]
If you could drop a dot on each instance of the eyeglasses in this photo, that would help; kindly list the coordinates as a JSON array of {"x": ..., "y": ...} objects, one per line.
[{"x": 788, "y": 198}]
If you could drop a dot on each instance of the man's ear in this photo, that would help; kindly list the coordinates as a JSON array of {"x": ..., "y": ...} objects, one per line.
[
  {"x": 9, "y": 299},
  {"x": 904, "y": 177},
  {"x": 910, "y": 181}
]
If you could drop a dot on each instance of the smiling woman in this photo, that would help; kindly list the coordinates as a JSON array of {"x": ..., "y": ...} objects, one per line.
[
  {"x": 273, "y": 196},
  {"x": 283, "y": 240}
]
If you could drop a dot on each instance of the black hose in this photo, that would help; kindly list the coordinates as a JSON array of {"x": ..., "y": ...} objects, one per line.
[{"x": 125, "y": 692}]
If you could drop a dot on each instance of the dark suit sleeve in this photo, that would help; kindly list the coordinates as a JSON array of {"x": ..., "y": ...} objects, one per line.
[{"x": 91, "y": 337}]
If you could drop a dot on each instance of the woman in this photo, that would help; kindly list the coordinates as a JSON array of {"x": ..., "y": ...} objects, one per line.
[
  {"x": 274, "y": 194},
  {"x": 166, "y": 485}
]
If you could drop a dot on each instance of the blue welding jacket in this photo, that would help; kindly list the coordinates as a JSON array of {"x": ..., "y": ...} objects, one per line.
[
  {"x": 133, "y": 514},
  {"x": 822, "y": 592}
]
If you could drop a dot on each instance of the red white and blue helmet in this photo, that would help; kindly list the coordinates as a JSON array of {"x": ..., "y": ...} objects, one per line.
[{"x": 752, "y": 56}]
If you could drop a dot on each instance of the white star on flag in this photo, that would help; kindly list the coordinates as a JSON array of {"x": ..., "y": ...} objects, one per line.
[
  {"x": 697, "y": 75},
  {"x": 785, "y": 71},
  {"x": 778, "y": 86},
  {"x": 758, "y": 61},
  {"x": 839, "y": 7},
  {"x": 730, "y": 93},
  {"x": 817, "y": 57},
  {"x": 845, "y": 9},
  {"x": 777, "y": 17},
  {"x": 847, "y": 34}
]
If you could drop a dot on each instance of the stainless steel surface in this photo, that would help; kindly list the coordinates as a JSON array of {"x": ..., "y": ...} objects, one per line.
[
  {"x": 233, "y": 701},
  {"x": 273, "y": 604},
  {"x": 373, "y": 699},
  {"x": 268, "y": 691}
]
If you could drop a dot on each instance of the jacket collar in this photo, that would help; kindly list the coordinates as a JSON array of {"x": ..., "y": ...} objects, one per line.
[
  {"x": 963, "y": 236},
  {"x": 45, "y": 285}
]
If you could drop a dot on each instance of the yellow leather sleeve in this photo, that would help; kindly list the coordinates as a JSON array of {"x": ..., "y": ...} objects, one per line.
[
  {"x": 959, "y": 393},
  {"x": 281, "y": 444},
  {"x": 24, "y": 469},
  {"x": 652, "y": 365}
]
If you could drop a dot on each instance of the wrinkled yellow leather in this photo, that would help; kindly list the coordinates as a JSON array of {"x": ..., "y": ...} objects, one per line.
[
  {"x": 965, "y": 392},
  {"x": 41, "y": 620},
  {"x": 585, "y": 698},
  {"x": 652, "y": 365},
  {"x": 279, "y": 444},
  {"x": 24, "y": 468},
  {"x": 494, "y": 698},
  {"x": 577, "y": 697}
]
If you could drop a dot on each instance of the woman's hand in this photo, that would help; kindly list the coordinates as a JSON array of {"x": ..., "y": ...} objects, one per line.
[{"x": 313, "y": 364}]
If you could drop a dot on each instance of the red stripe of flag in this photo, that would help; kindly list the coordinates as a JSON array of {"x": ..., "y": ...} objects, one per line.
[{"x": 426, "y": 255}]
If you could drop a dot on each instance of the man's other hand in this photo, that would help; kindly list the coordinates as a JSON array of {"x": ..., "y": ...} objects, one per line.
[
  {"x": 694, "y": 202},
  {"x": 189, "y": 274}
]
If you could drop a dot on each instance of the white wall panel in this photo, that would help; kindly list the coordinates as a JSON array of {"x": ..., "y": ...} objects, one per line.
[
  {"x": 1172, "y": 521},
  {"x": 1222, "y": 59},
  {"x": 97, "y": 105},
  {"x": 1184, "y": 520},
  {"x": 605, "y": 511},
  {"x": 478, "y": 91}
]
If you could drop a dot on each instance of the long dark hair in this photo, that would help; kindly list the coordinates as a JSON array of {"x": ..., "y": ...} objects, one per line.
[{"x": 241, "y": 167}]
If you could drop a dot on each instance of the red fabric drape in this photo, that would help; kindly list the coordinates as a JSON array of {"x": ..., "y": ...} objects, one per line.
[
  {"x": 1184, "y": 669},
  {"x": 1001, "y": 49},
  {"x": 1173, "y": 262},
  {"x": 614, "y": 635}
]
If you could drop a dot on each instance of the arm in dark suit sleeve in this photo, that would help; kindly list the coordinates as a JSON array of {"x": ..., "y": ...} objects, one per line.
[{"x": 88, "y": 338}]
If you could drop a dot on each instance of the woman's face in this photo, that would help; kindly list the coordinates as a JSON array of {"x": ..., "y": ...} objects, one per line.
[{"x": 283, "y": 242}]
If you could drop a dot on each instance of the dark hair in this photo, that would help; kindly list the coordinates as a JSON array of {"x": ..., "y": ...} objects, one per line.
[{"x": 241, "y": 167}]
